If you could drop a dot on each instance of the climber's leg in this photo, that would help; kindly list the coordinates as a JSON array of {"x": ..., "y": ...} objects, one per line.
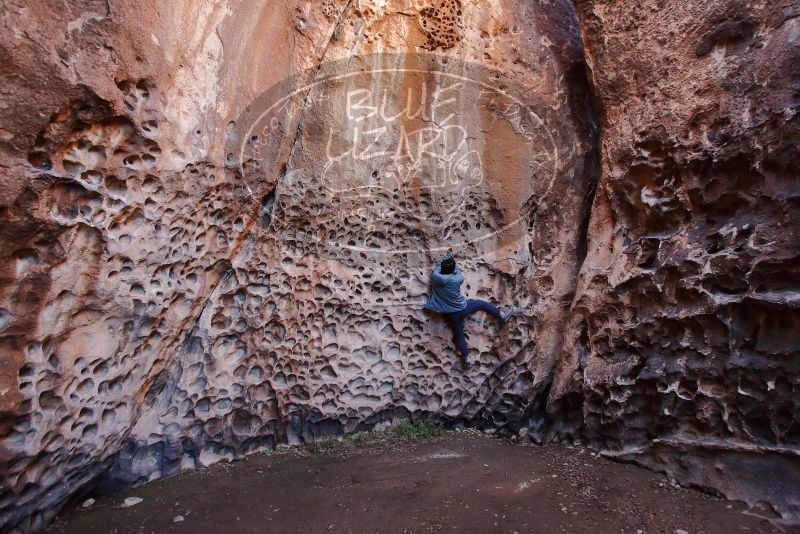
[
  {"x": 456, "y": 322},
  {"x": 474, "y": 305}
]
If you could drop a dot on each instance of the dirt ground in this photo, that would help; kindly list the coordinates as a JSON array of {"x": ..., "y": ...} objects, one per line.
[{"x": 459, "y": 482}]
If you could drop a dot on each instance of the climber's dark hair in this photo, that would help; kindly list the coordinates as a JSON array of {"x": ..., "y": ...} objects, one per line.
[{"x": 448, "y": 266}]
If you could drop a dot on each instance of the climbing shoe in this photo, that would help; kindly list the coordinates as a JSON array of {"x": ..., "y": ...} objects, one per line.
[{"x": 508, "y": 313}]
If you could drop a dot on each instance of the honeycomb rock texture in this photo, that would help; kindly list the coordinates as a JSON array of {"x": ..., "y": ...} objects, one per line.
[
  {"x": 217, "y": 222},
  {"x": 683, "y": 346}
]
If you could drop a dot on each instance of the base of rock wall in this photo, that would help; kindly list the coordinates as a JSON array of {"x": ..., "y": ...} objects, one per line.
[{"x": 762, "y": 477}]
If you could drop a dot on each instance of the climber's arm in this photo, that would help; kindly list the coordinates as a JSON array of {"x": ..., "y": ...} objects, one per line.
[{"x": 436, "y": 276}]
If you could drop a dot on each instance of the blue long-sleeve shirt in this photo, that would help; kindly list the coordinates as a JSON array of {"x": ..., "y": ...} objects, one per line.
[{"x": 446, "y": 290}]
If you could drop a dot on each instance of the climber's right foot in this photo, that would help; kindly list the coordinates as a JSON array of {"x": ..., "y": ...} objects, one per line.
[{"x": 508, "y": 313}]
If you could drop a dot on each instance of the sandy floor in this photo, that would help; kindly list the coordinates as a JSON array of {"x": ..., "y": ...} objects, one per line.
[{"x": 460, "y": 482}]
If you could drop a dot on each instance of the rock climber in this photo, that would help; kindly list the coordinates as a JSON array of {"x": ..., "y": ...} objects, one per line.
[{"x": 446, "y": 299}]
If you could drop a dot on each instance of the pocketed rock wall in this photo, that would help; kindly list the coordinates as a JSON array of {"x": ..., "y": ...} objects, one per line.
[
  {"x": 683, "y": 347},
  {"x": 217, "y": 221},
  {"x": 210, "y": 244}
]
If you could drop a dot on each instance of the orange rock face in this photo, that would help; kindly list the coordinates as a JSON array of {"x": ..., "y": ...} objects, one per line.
[{"x": 217, "y": 223}]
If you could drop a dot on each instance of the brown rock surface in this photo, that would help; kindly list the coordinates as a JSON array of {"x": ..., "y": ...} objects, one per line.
[
  {"x": 210, "y": 247},
  {"x": 217, "y": 220},
  {"x": 682, "y": 350}
]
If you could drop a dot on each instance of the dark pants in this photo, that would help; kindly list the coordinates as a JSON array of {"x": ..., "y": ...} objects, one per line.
[{"x": 456, "y": 320}]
